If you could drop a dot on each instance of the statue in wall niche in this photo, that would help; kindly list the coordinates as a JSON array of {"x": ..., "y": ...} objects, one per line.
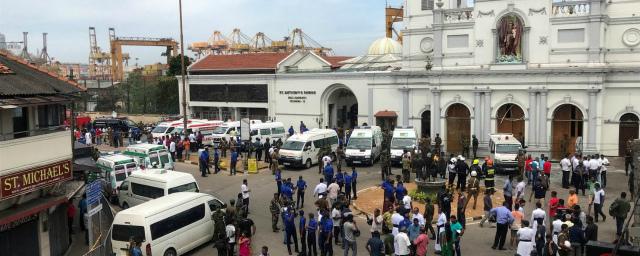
[{"x": 510, "y": 39}]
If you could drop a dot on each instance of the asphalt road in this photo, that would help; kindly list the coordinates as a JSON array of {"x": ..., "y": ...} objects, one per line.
[{"x": 476, "y": 240}]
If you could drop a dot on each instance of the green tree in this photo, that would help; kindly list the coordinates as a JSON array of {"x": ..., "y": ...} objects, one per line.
[{"x": 175, "y": 65}]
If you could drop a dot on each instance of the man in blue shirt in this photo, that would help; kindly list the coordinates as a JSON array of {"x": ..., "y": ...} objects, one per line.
[
  {"x": 278, "y": 177},
  {"x": 234, "y": 161},
  {"x": 204, "y": 157},
  {"x": 291, "y": 131},
  {"x": 414, "y": 232},
  {"x": 311, "y": 228},
  {"x": 301, "y": 186},
  {"x": 347, "y": 186},
  {"x": 287, "y": 191},
  {"x": 387, "y": 185},
  {"x": 504, "y": 220},
  {"x": 326, "y": 227},
  {"x": 290, "y": 229},
  {"x": 302, "y": 223},
  {"x": 328, "y": 174},
  {"x": 354, "y": 180},
  {"x": 400, "y": 192},
  {"x": 340, "y": 179}
]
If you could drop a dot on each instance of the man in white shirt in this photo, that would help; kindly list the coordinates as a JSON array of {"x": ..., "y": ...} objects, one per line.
[
  {"x": 402, "y": 243},
  {"x": 87, "y": 138},
  {"x": 520, "y": 189},
  {"x": 556, "y": 228},
  {"x": 332, "y": 192},
  {"x": 320, "y": 189},
  {"x": 593, "y": 166},
  {"x": 537, "y": 215},
  {"x": 417, "y": 215},
  {"x": 525, "y": 239},
  {"x": 172, "y": 150},
  {"x": 603, "y": 171},
  {"x": 335, "y": 216},
  {"x": 442, "y": 219},
  {"x": 565, "y": 165},
  {"x": 244, "y": 188},
  {"x": 396, "y": 218},
  {"x": 406, "y": 201},
  {"x": 598, "y": 201},
  {"x": 231, "y": 236}
]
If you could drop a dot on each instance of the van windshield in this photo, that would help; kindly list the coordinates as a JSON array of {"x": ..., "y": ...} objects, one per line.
[
  {"x": 220, "y": 130},
  {"x": 161, "y": 158},
  {"x": 403, "y": 143},
  {"x": 160, "y": 129},
  {"x": 189, "y": 187},
  {"x": 293, "y": 145},
  {"x": 359, "y": 143},
  {"x": 507, "y": 148},
  {"x": 124, "y": 233}
]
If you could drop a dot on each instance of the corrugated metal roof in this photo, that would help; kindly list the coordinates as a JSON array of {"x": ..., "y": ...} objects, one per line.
[{"x": 26, "y": 79}]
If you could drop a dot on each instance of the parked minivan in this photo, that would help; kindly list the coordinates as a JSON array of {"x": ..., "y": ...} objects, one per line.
[
  {"x": 121, "y": 124},
  {"x": 365, "y": 145},
  {"x": 302, "y": 149},
  {"x": 115, "y": 169},
  {"x": 271, "y": 130},
  {"x": 153, "y": 183},
  {"x": 148, "y": 155},
  {"x": 504, "y": 150},
  {"x": 403, "y": 139},
  {"x": 170, "y": 225},
  {"x": 226, "y": 129}
]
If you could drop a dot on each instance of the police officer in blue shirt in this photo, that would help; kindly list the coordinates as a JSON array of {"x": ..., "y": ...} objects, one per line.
[
  {"x": 347, "y": 186},
  {"x": 340, "y": 179},
  {"x": 287, "y": 191},
  {"x": 400, "y": 192},
  {"x": 301, "y": 186},
  {"x": 302, "y": 223},
  {"x": 354, "y": 181},
  {"x": 311, "y": 228},
  {"x": 326, "y": 229},
  {"x": 278, "y": 177},
  {"x": 290, "y": 229},
  {"x": 387, "y": 185},
  {"x": 328, "y": 174}
]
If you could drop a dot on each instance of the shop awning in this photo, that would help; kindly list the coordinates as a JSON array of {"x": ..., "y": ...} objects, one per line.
[
  {"x": 386, "y": 113},
  {"x": 30, "y": 208}
]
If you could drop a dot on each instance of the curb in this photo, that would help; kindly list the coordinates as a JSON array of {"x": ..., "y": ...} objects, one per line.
[{"x": 355, "y": 206}]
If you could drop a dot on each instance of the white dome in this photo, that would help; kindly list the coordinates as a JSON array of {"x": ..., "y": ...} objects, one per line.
[{"x": 384, "y": 46}]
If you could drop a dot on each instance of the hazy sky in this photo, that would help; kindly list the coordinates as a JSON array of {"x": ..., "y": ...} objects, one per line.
[{"x": 347, "y": 26}]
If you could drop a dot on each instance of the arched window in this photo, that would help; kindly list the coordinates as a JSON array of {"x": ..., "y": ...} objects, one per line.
[{"x": 510, "y": 30}]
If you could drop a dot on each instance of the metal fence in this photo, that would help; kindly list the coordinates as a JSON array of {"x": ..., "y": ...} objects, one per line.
[{"x": 102, "y": 231}]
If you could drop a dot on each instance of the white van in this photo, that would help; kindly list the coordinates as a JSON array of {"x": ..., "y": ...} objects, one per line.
[
  {"x": 115, "y": 169},
  {"x": 504, "y": 150},
  {"x": 149, "y": 184},
  {"x": 271, "y": 130},
  {"x": 226, "y": 129},
  {"x": 364, "y": 146},
  {"x": 148, "y": 155},
  {"x": 302, "y": 149},
  {"x": 170, "y": 225},
  {"x": 403, "y": 139}
]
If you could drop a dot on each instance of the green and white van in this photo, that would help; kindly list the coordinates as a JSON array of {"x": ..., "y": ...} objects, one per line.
[
  {"x": 115, "y": 169},
  {"x": 148, "y": 155}
]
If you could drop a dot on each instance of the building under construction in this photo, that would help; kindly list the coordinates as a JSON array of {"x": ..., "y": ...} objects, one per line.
[{"x": 239, "y": 43}]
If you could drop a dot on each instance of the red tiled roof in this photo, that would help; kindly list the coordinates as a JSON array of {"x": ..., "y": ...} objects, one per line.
[
  {"x": 335, "y": 60},
  {"x": 386, "y": 113},
  {"x": 250, "y": 61},
  {"x": 4, "y": 70}
]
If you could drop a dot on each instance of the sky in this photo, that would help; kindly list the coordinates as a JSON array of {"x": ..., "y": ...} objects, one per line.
[{"x": 347, "y": 26}]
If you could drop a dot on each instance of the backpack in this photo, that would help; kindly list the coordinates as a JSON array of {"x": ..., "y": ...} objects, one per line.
[{"x": 613, "y": 209}]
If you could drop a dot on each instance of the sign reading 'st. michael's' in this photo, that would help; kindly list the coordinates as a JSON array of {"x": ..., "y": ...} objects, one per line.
[{"x": 26, "y": 181}]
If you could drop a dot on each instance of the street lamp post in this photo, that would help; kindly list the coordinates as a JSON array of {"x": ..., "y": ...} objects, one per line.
[{"x": 184, "y": 84}]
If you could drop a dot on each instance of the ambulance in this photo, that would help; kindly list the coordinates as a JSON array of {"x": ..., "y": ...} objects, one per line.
[
  {"x": 403, "y": 139},
  {"x": 504, "y": 150},
  {"x": 364, "y": 146}
]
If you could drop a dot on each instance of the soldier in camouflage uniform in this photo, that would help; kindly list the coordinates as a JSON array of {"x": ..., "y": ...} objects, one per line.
[
  {"x": 219, "y": 224},
  {"x": 274, "y": 208},
  {"x": 385, "y": 155}
]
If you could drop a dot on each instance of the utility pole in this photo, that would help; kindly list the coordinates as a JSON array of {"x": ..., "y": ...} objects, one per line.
[{"x": 184, "y": 84}]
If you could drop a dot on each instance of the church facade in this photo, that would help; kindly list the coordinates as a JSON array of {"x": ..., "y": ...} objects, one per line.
[{"x": 561, "y": 76}]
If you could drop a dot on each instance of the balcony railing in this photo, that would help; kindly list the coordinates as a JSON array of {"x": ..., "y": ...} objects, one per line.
[
  {"x": 458, "y": 15},
  {"x": 571, "y": 8}
]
